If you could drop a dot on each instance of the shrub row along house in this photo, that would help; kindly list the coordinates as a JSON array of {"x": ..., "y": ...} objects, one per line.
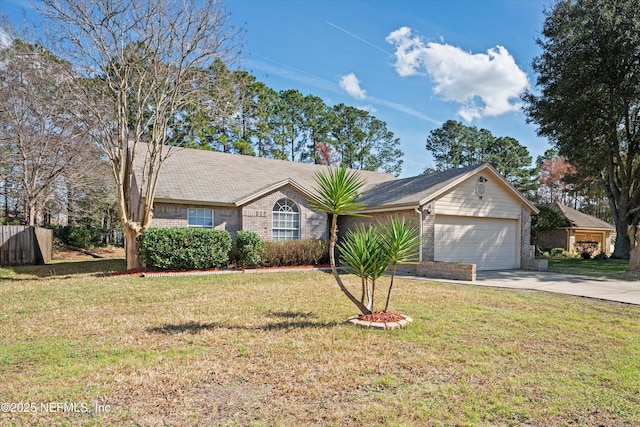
[{"x": 469, "y": 218}]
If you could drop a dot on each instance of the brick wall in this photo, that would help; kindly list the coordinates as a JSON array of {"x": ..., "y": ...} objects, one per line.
[
  {"x": 429, "y": 235},
  {"x": 526, "y": 256},
  {"x": 257, "y": 216},
  {"x": 447, "y": 270},
  {"x": 175, "y": 215},
  {"x": 536, "y": 265},
  {"x": 552, "y": 239}
]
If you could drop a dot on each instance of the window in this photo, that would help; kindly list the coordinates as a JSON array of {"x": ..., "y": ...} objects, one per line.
[
  {"x": 286, "y": 220},
  {"x": 202, "y": 218}
]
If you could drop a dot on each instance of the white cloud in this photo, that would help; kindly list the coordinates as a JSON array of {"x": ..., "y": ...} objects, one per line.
[
  {"x": 486, "y": 84},
  {"x": 351, "y": 85}
]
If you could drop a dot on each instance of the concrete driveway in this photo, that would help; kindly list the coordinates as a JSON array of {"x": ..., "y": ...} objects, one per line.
[{"x": 591, "y": 287}]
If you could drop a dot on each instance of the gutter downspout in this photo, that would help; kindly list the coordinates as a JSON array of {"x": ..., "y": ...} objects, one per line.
[{"x": 419, "y": 212}]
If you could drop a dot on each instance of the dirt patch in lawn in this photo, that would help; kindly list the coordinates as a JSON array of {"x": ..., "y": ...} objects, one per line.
[{"x": 66, "y": 253}]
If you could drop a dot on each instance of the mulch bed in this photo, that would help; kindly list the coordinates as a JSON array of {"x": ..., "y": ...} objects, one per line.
[{"x": 381, "y": 317}]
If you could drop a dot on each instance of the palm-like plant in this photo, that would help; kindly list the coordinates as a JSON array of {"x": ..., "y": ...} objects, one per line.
[
  {"x": 362, "y": 255},
  {"x": 400, "y": 242},
  {"x": 336, "y": 194}
]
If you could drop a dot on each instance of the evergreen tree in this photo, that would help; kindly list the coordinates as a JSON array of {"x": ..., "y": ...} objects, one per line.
[
  {"x": 589, "y": 98},
  {"x": 455, "y": 145}
]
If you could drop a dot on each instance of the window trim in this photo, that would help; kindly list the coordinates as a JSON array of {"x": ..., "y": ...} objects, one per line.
[
  {"x": 189, "y": 225},
  {"x": 290, "y": 215}
]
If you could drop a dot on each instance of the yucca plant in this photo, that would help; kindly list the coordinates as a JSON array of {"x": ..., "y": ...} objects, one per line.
[
  {"x": 400, "y": 241},
  {"x": 336, "y": 192},
  {"x": 362, "y": 254}
]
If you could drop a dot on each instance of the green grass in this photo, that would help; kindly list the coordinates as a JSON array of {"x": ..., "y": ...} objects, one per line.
[
  {"x": 273, "y": 349},
  {"x": 606, "y": 268}
]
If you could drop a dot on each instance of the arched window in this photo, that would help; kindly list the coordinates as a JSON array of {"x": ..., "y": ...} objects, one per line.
[{"x": 286, "y": 220}]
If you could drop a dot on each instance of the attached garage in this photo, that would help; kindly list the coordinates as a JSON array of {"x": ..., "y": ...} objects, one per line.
[
  {"x": 469, "y": 218},
  {"x": 490, "y": 243}
]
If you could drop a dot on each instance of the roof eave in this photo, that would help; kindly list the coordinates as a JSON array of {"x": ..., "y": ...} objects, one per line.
[
  {"x": 193, "y": 202},
  {"x": 391, "y": 208},
  {"x": 573, "y": 227}
]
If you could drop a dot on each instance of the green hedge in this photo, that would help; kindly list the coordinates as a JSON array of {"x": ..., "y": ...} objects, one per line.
[
  {"x": 249, "y": 249},
  {"x": 295, "y": 252},
  {"x": 182, "y": 248}
]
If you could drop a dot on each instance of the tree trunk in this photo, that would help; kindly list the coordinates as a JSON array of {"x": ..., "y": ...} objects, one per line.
[
  {"x": 393, "y": 275},
  {"x": 32, "y": 213},
  {"x": 623, "y": 245},
  {"x": 334, "y": 270},
  {"x": 132, "y": 245},
  {"x": 370, "y": 306},
  {"x": 634, "y": 259}
]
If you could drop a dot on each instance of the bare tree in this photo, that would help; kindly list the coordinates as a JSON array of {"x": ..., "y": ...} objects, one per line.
[
  {"x": 141, "y": 60},
  {"x": 40, "y": 134}
]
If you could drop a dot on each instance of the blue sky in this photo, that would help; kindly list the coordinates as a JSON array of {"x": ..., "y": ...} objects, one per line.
[{"x": 412, "y": 63}]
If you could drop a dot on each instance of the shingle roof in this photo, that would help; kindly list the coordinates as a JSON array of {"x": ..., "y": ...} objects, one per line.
[
  {"x": 414, "y": 190},
  {"x": 212, "y": 177},
  {"x": 577, "y": 219}
]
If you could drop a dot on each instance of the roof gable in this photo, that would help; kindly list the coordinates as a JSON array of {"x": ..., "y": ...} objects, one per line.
[
  {"x": 422, "y": 189},
  {"x": 272, "y": 187}
]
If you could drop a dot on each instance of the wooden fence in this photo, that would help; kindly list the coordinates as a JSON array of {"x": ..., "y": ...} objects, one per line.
[{"x": 22, "y": 245}]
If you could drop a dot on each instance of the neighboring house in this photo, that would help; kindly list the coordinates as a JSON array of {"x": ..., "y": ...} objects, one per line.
[
  {"x": 470, "y": 218},
  {"x": 580, "y": 232}
]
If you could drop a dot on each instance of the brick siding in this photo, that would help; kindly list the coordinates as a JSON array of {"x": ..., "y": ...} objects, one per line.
[
  {"x": 256, "y": 216},
  {"x": 175, "y": 215},
  {"x": 447, "y": 270},
  {"x": 553, "y": 239}
]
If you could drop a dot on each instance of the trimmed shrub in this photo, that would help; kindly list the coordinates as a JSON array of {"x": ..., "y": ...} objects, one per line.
[
  {"x": 249, "y": 249},
  {"x": 295, "y": 252},
  {"x": 557, "y": 252},
  {"x": 185, "y": 248}
]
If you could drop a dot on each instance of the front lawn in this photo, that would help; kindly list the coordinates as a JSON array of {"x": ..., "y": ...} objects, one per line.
[
  {"x": 273, "y": 349},
  {"x": 607, "y": 268}
]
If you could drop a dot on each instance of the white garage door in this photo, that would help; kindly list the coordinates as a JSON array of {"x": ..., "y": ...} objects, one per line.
[{"x": 491, "y": 244}]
